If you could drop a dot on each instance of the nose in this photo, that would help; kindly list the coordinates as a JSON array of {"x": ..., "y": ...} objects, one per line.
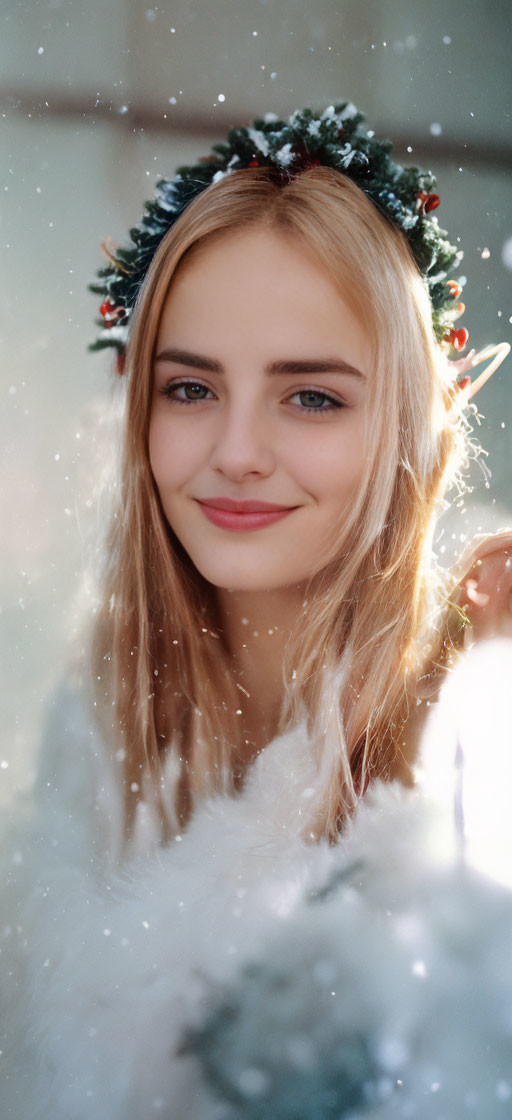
[{"x": 243, "y": 444}]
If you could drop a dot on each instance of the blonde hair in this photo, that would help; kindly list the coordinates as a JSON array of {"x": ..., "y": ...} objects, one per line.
[{"x": 351, "y": 667}]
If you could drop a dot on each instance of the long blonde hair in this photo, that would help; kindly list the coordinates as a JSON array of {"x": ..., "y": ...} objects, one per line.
[{"x": 350, "y": 668}]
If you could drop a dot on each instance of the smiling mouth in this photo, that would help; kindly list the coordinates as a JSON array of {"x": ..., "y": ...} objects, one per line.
[
  {"x": 245, "y": 519},
  {"x": 243, "y": 507}
]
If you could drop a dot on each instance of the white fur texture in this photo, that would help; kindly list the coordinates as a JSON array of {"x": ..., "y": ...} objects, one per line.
[{"x": 104, "y": 970}]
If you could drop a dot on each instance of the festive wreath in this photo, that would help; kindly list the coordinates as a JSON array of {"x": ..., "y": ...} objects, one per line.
[{"x": 333, "y": 138}]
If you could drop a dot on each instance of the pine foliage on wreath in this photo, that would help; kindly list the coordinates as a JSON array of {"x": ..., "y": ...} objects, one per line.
[{"x": 333, "y": 138}]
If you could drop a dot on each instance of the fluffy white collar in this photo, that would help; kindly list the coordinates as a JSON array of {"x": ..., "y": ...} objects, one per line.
[{"x": 110, "y": 967}]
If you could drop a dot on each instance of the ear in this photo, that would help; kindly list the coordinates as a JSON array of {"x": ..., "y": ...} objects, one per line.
[{"x": 486, "y": 587}]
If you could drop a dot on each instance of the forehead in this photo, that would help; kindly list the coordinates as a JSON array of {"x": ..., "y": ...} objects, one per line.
[{"x": 263, "y": 284}]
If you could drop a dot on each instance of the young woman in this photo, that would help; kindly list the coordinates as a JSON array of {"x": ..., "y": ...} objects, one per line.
[
  {"x": 284, "y": 321},
  {"x": 282, "y": 353}
]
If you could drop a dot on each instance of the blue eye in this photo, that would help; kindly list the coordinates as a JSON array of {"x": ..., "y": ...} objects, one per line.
[
  {"x": 193, "y": 387},
  {"x": 310, "y": 399}
]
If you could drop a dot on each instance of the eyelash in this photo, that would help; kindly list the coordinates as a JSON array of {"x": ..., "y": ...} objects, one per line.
[{"x": 169, "y": 390}]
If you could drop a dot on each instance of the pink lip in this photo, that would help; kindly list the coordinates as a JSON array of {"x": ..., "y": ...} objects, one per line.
[
  {"x": 227, "y": 514},
  {"x": 243, "y": 507}
]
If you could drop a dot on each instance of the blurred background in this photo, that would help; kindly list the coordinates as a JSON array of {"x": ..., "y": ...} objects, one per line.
[{"x": 99, "y": 99}]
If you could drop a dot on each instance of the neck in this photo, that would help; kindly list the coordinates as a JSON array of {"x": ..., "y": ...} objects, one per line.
[{"x": 256, "y": 628}]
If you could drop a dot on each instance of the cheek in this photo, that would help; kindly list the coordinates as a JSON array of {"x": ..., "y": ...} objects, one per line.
[
  {"x": 331, "y": 470},
  {"x": 171, "y": 457}
]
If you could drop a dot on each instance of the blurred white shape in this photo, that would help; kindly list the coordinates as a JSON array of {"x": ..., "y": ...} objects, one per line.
[
  {"x": 419, "y": 969},
  {"x": 466, "y": 757},
  {"x": 506, "y": 253}
]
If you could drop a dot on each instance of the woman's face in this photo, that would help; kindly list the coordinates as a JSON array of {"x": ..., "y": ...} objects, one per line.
[{"x": 260, "y": 392}]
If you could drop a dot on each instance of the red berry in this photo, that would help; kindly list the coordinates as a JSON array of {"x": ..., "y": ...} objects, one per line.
[
  {"x": 455, "y": 289},
  {"x": 254, "y": 162},
  {"x": 464, "y": 384},
  {"x": 432, "y": 201},
  {"x": 458, "y": 338},
  {"x": 110, "y": 313}
]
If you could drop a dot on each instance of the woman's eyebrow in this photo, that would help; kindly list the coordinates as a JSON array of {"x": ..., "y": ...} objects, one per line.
[{"x": 288, "y": 366}]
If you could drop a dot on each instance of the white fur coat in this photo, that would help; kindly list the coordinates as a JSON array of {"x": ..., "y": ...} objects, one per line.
[{"x": 241, "y": 972}]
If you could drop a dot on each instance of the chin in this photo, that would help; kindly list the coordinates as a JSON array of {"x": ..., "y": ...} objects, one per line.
[
  {"x": 241, "y": 578},
  {"x": 239, "y": 582}
]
